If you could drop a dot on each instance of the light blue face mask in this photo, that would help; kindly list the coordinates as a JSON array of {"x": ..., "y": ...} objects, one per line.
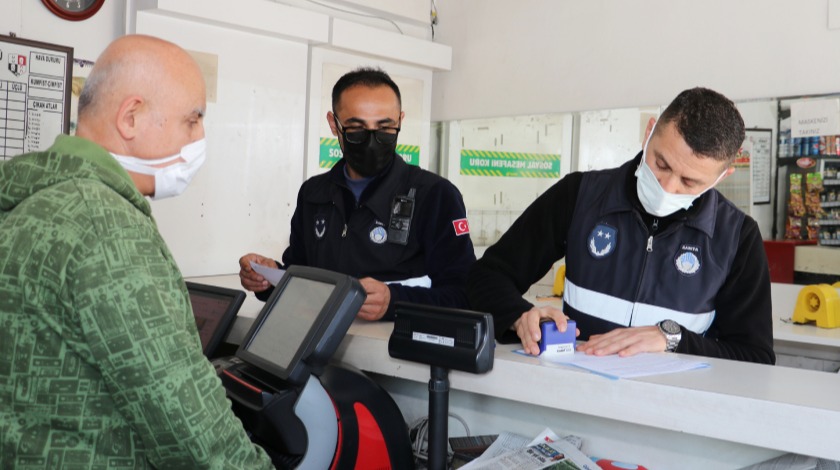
[
  {"x": 656, "y": 200},
  {"x": 170, "y": 180}
]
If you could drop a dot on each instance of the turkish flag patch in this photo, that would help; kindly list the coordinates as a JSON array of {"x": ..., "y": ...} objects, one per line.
[{"x": 461, "y": 226}]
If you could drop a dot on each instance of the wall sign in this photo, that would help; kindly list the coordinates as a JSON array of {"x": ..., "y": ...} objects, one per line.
[
  {"x": 759, "y": 142},
  {"x": 525, "y": 165},
  {"x": 35, "y": 84},
  {"x": 815, "y": 117}
]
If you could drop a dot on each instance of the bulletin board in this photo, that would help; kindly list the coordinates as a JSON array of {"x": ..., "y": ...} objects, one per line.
[
  {"x": 760, "y": 142},
  {"x": 34, "y": 94}
]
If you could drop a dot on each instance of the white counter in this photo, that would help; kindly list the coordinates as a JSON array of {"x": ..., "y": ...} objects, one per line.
[
  {"x": 671, "y": 417},
  {"x": 729, "y": 415}
]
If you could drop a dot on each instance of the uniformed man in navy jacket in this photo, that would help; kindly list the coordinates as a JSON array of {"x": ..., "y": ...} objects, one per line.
[
  {"x": 398, "y": 228},
  {"x": 656, "y": 258}
]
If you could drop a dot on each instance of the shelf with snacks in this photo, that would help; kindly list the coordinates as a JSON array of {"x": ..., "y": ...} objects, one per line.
[
  {"x": 805, "y": 196},
  {"x": 829, "y": 233},
  {"x": 807, "y": 169}
]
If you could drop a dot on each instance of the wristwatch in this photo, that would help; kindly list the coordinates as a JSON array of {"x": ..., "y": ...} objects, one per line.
[{"x": 672, "y": 332}]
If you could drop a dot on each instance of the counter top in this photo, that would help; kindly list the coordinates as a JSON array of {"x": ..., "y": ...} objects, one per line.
[
  {"x": 772, "y": 407},
  {"x": 778, "y": 408}
]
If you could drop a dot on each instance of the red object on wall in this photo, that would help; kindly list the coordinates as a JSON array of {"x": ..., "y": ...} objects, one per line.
[{"x": 780, "y": 257}]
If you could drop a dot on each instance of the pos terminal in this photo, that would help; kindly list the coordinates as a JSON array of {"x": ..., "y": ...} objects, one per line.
[{"x": 305, "y": 412}]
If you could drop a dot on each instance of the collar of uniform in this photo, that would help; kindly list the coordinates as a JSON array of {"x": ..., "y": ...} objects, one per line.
[
  {"x": 624, "y": 197},
  {"x": 380, "y": 193},
  {"x": 386, "y": 183}
]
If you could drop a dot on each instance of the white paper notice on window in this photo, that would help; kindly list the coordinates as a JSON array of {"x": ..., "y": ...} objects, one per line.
[{"x": 815, "y": 117}]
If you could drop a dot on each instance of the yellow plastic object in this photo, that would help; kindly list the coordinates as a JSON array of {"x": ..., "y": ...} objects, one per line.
[
  {"x": 818, "y": 303},
  {"x": 559, "y": 281}
]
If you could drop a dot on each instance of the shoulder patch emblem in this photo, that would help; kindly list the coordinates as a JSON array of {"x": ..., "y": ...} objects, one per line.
[
  {"x": 687, "y": 259},
  {"x": 461, "y": 226},
  {"x": 602, "y": 241}
]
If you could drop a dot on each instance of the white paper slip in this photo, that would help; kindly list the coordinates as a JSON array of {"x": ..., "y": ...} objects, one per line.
[
  {"x": 616, "y": 367},
  {"x": 272, "y": 275},
  {"x": 424, "y": 281}
]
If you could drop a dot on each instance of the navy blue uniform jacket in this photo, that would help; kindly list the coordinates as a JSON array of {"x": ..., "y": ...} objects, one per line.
[
  {"x": 330, "y": 230},
  {"x": 704, "y": 267}
]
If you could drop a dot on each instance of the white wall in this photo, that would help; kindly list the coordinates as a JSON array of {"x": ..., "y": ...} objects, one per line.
[
  {"x": 544, "y": 56},
  {"x": 242, "y": 199},
  {"x": 548, "y": 56}
]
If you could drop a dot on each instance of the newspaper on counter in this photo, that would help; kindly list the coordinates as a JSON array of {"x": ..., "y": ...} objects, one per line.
[{"x": 546, "y": 451}]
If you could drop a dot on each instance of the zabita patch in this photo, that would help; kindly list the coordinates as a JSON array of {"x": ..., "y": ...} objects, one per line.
[{"x": 687, "y": 259}]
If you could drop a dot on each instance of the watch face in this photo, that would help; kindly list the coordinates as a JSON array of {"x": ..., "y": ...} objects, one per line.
[
  {"x": 74, "y": 10},
  {"x": 670, "y": 327}
]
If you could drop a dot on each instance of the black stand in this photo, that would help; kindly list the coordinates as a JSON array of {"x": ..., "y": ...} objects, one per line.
[
  {"x": 438, "y": 418},
  {"x": 445, "y": 339}
]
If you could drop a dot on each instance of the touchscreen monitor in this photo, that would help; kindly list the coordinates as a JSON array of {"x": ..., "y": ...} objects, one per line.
[
  {"x": 214, "y": 309},
  {"x": 302, "y": 323}
]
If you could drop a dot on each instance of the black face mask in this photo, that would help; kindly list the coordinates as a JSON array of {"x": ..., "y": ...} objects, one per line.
[
  {"x": 370, "y": 157},
  {"x": 368, "y": 152}
]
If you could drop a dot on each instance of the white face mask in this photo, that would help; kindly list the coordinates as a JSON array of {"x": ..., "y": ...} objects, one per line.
[
  {"x": 170, "y": 180},
  {"x": 656, "y": 200}
]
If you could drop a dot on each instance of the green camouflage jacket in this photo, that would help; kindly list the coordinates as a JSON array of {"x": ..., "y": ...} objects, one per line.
[{"x": 100, "y": 363}]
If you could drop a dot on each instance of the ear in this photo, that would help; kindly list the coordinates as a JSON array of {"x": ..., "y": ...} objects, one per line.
[
  {"x": 331, "y": 121},
  {"x": 649, "y": 129},
  {"x": 729, "y": 171},
  {"x": 402, "y": 116},
  {"x": 128, "y": 117}
]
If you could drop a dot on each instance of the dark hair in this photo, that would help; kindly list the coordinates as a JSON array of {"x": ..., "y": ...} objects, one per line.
[
  {"x": 366, "y": 76},
  {"x": 708, "y": 121}
]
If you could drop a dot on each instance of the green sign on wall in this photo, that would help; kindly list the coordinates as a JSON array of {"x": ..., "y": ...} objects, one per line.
[
  {"x": 331, "y": 153},
  {"x": 524, "y": 165}
]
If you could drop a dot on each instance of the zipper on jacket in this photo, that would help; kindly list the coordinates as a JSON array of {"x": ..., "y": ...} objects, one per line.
[
  {"x": 654, "y": 227},
  {"x": 344, "y": 231}
]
